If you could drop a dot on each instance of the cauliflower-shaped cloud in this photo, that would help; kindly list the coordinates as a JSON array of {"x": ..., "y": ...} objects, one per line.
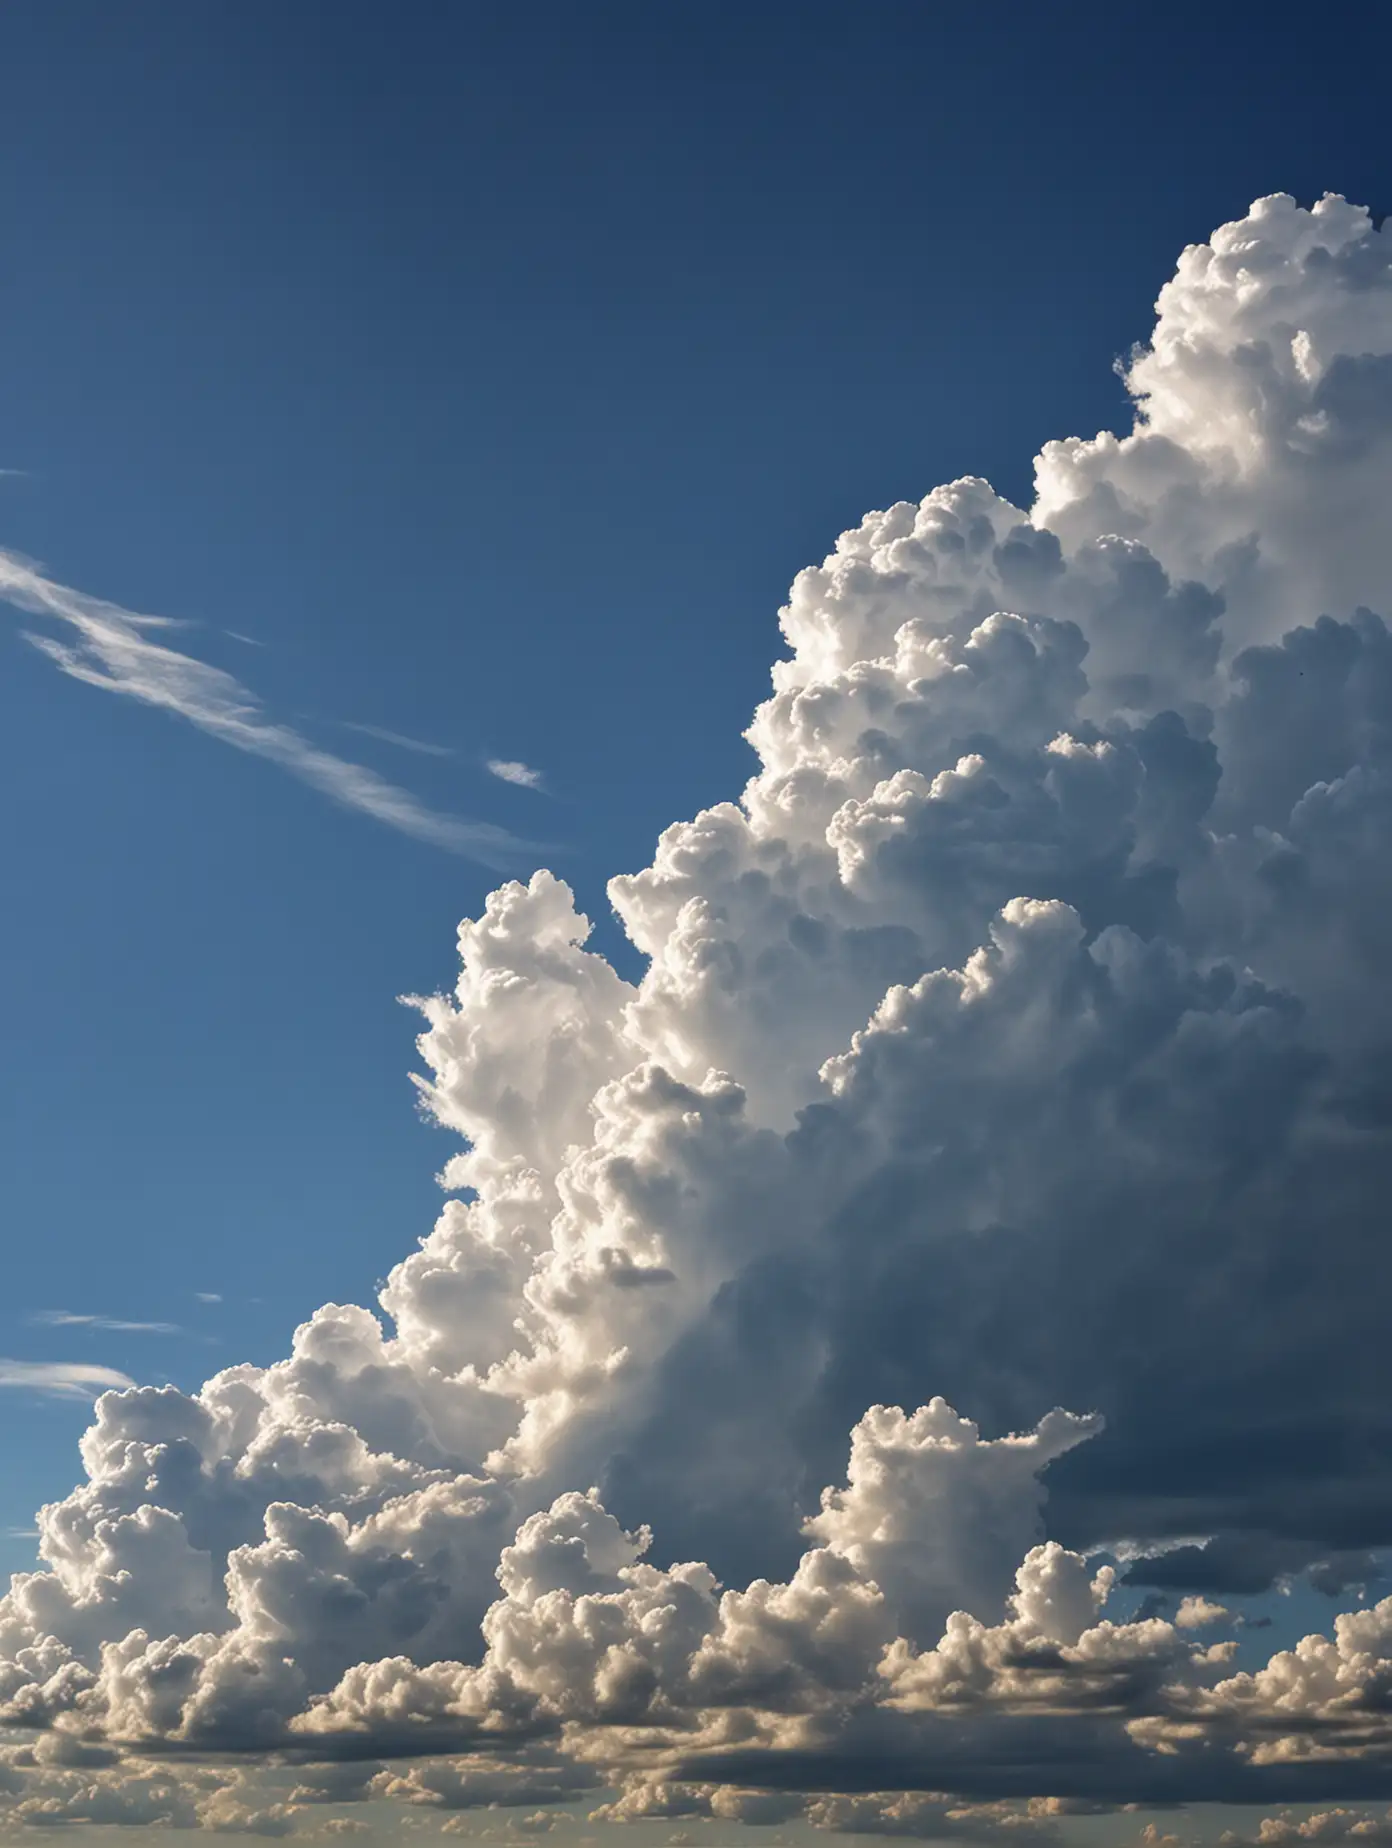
[{"x": 1019, "y": 1039}]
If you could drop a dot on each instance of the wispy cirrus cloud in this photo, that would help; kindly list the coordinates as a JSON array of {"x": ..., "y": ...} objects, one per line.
[
  {"x": 67, "y": 1318},
  {"x": 385, "y": 735},
  {"x": 509, "y": 770},
  {"x": 117, "y": 650},
  {"x": 62, "y": 1379}
]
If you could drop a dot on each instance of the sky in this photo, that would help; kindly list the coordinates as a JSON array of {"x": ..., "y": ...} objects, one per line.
[{"x": 411, "y": 422}]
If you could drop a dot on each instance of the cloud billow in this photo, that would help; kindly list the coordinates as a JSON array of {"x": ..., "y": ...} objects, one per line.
[{"x": 1020, "y": 1040}]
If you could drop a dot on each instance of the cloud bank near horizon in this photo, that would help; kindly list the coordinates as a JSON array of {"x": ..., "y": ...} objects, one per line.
[{"x": 1009, "y": 1086}]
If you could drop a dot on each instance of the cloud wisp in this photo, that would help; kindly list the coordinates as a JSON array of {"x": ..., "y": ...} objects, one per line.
[
  {"x": 122, "y": 652},
  {"x": 400, "y": 739},
  {"x": 61, "y": 1379},
  {"x": 68, "y": 1318},
  {"x": 1007, "y": 1087}
]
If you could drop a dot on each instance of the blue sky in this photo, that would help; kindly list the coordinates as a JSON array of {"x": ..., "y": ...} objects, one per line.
[
  {"x": 493, "y": 370},
  {"x": 482, "y": 376}
]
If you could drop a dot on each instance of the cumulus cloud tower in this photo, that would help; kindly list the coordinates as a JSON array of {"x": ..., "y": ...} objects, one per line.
[{"x": 1018, "y": 1040}]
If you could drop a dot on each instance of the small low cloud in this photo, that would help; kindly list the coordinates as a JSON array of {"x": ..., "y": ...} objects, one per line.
[
  {"x": 207, "y": 1296},
  {"x": 400, "y": 739},
  {"x": 510, "y": 770},
  {"x": 68, "y": 1318},
  {"x": 1194, "y": 1613},
  {"x": 62, "y": 1379}
]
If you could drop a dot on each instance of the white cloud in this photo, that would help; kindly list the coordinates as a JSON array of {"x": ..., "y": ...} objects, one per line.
[
  {"x": 1198, "y": 1613},
  {"x": 67, "y": 1318},
  {"x": 1022, "y": 1035},
  {"x": 1289, "y": 1830},
  {"x": 61, "y": 1379},
  {"x": 384, "y": 736},
  {"x": 115, "y": 649},
  {"x": 508, "y": 770}
]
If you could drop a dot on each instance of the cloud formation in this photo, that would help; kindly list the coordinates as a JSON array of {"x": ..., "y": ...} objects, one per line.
[
  {"x": 61, "y": 1379},
  {"x": 509, "y": 770},
  {"x": 115, "y": 649},
  {"x": 1008, "y": 1086},
  {"x": 68, "y": 1318},
  {"x": 385, "y": 736}
]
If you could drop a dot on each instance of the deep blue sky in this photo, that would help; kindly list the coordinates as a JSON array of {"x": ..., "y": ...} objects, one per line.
[{"x": 496, "y": 368}]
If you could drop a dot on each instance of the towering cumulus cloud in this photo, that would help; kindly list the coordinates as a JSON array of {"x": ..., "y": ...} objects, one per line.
[{"x": 1008, "y": 1097}]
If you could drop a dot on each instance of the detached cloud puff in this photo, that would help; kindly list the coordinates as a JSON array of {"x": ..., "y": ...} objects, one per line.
[
  {"x": 1019, "y": 1040},
  {"x": 508, "y": 770}
]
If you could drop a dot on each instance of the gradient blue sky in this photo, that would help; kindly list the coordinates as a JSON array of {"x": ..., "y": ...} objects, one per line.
[{"x": 492, "y": 370}]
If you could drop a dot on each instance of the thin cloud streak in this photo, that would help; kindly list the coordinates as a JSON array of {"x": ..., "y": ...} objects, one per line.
[
  {"x": 62, "y": 1379},
  {"x": 67, "y": 1318},
  {"x": 112, "y": 650},
  {"x": 386, "y": 736}
]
